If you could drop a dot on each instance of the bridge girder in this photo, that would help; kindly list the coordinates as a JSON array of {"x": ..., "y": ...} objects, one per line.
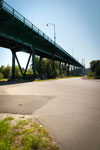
[{"x": 19, "y": 34}]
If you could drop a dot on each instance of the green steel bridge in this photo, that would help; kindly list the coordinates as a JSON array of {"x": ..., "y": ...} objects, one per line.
[{"x": 18, "y": 34}]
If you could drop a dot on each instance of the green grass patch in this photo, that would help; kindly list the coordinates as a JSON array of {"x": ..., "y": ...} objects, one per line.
[
  {"x": 91, "y": 77},
  {"x": 57, "y": 78},
  {"x": 24, "y": 135},
  {"x": 3, "y": 79}
]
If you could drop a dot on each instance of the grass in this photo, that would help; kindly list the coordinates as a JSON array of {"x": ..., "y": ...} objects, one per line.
[
  {"x": 24, "y": 135},
  {"x": 58, "y": 78},
  {"x": 3, "y": 79},
  {"x": 91, "y": 77}
]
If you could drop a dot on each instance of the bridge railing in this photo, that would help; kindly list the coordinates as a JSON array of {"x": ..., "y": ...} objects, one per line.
[{"x": 16, "y": 14}]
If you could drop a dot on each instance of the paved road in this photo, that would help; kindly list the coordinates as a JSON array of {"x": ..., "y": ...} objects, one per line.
[{"x": 71, "y": 112}]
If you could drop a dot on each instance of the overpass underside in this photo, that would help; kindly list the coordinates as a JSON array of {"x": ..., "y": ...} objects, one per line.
[{"x": 19, "y": 34}]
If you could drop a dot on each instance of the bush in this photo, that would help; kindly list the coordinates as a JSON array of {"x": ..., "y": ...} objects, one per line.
[
  {"x": 6, "y": 71},
  {"x": 91, "y": 74},
  {"x": 1, "y": 76},
  {"x": 95, "y": 67},
  {"x": 97, "y": 71}
]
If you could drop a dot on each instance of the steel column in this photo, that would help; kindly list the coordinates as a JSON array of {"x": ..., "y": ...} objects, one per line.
[
  {"x": 40, "y": 67},
  {"x": 75, "y": 70},
  {"x": 53, "y": 65},
  {"x": 68, "y": 70},
  {"x": 60, "y": 67},
  {"x": 71, "y": 70},
  {"x": 65, "y": 67},
  {"x": 33, "y": 63},
  {"x": 13, "y": 64},
  {"x": 27, "y": 65},
  {"x": 19, "y": 65}
]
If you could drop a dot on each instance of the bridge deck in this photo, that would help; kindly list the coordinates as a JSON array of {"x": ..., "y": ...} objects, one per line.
[{"x": 18, "y": 33}]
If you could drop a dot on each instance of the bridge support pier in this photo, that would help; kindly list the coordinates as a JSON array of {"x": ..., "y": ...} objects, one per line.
[
  {"x": 13, "y": 64},
  {"x": 60, "y": 68},
  {"x": 75, "y": 71},
  {"x": 40, "y": 67},
  {"x": 33, "y": 63},
  {"x": 27, "y": 65},
  {"x": 66, "y": 68},
  {"x": 53, "y": 66},
  {"x": 19, "y": 65},
  {"x": 14, "y": 56},
  {"x": 70, "y": 70}
]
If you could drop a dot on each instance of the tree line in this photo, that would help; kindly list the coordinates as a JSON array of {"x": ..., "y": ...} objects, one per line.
[
  {"x": 95, "y": 69},
  {"x": 43, "y": 70}
]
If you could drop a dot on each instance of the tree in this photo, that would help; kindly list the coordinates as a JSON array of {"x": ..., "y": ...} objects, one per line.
[
  {"x": 17, "y": 72},
  {"x": 6, "y": 71},
  {"x": 95, "y": 67},
  {"x": 2, "y": 68},
  {"x": 98, "y": 70},
  {"x": 1, "y": 76}
]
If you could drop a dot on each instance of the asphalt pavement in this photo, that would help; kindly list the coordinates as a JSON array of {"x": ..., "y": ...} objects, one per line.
[{"x": 69, "y": 108}]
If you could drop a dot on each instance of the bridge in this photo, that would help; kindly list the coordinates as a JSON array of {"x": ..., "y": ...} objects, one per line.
[{"x": 18, "y": 34}]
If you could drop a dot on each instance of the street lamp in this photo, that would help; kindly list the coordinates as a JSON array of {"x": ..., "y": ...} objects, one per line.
[{"x": 54, "y": 30}]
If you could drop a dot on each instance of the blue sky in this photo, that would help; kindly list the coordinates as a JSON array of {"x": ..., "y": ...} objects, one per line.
[{"x": 77, "y": 26}]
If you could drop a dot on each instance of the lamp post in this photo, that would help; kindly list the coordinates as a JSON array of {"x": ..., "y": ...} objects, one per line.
[{"x": 54, "y": 30}]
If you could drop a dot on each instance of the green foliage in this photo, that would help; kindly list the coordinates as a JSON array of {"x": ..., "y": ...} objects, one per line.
[
  {"x": 2, "y": 68},
  {"x": 17, "y": 72},
  {"x": 29, "y": 71},
  {"x": 44, "y": 70},
  {"x": 6, "y": 138},
  {"x": 93, "y": 65},
  {"x": 6, "y": 71},
  {"x": 1, "y": 76},
  {"x": 95, "y": 68},
  {"x": 24, "y": 135},
  {"x": 92, "y": 74}
]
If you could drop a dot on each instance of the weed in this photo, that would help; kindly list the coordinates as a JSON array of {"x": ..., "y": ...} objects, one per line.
[
  {"x": 6, "y": 138},
  {"x": 8, "y": 119},
  {"x": 21, "y": 117},
  {"x": 25, "y": 135}
]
